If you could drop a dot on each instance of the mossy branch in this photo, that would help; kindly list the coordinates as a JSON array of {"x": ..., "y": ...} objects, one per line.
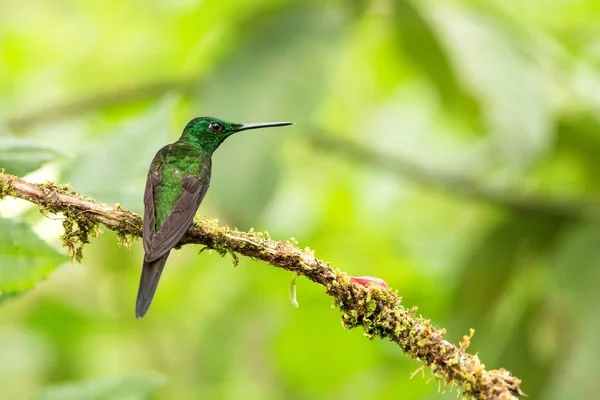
[{"x": 373, "y": 306}]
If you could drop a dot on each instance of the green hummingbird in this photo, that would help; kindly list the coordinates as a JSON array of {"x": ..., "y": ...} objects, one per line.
[{"x": 176, "y": 184}]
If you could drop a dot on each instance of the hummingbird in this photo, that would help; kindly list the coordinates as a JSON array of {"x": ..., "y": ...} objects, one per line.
[{"x": 177, "y": 181}]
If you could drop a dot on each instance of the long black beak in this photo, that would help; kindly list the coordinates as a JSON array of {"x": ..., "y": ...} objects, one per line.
[{"x": 245, "y": 127}]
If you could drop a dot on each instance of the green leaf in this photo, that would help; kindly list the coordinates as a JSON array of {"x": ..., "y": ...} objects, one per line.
[
  {"x": 20, "y": 156},
  {"x": 577, "y": 134},
  {"x": 494, "y": 64},
  {"x": 130, "y": 387},
  {"x": 25, "y": 259},
  {"x": 492, "y": 262},
  {"x": 574, "y": 266},
  {"x": 420, "y": 43}
]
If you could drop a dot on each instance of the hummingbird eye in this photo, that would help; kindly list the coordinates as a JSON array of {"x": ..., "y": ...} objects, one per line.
[{"x": 216, "y": 127}]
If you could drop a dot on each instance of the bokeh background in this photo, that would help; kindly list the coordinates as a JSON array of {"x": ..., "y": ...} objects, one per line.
[{"x": 449, "y": 147}]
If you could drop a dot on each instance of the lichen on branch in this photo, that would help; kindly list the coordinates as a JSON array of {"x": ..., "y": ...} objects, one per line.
[{"x": 374, "y": 307}]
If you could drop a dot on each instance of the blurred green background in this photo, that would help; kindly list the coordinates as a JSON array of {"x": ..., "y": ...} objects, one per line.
[{"x": 496, "y": 103}]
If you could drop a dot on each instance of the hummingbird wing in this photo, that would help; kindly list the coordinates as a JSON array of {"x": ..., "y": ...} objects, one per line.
[
  {"x": 181, "y": 217},
  {"x": 149, "y": 223},
  {"x": 160, "y": 236}
]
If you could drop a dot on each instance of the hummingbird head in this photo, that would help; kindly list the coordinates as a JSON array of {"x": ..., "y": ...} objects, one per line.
[{"x": 208, "y": 133}]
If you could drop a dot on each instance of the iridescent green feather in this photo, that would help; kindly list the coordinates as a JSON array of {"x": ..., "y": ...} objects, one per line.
[{"x": 180, "y": 160}]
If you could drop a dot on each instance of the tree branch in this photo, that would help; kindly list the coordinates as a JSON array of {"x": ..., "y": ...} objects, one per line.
[
  {"x": 371, "y": 305},
  {"x": 456, "y": 185}
]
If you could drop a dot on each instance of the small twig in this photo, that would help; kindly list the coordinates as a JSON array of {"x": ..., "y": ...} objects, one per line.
[{"x": 374, "y": 307}]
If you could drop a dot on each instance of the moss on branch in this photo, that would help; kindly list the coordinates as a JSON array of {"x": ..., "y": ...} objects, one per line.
[{"x": 374, "y": 307}]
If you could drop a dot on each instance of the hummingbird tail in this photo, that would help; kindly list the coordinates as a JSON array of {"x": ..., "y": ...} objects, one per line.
[{"x": 151, "y": 272}]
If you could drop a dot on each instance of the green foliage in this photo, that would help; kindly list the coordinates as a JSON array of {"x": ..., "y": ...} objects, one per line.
[
  {"x": 132, "y": 387},
  {"x": 20, "y": 156},
  {"x": 25, "y": 259},
  {"x": 505, "y": 96}
]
